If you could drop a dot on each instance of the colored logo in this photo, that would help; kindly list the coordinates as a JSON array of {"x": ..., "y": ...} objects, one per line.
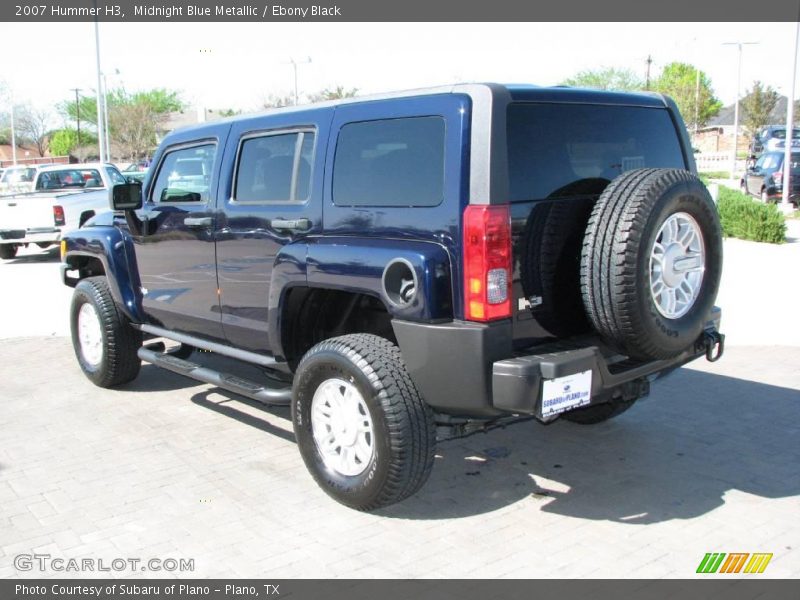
[{"x": 734, "y": 562}]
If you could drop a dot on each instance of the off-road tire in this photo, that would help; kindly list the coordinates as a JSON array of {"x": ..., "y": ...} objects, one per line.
[
  {"x": 120, "y": 342},
  {"x": 615, "y": 265},
  {"x": 403, "y": 425},
  {"x": 8, "y": 251},
  {"x": 550, "y": 265}
]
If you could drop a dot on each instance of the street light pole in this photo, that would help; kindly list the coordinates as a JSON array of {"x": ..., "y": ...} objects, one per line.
[
  {"x": 736, "y": 106},
  {"x": 13, "y": 134},
  {"x": 78, "y": 111},
  {"x": 294, "y": 64},
  {"x": 105, "y": 115},
  {"x": 100, "y": 103},
  {"x": 787, "y": 156}
]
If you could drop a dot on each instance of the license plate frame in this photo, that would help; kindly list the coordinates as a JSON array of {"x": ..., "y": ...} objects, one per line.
[{"x": 565, "y": 393}]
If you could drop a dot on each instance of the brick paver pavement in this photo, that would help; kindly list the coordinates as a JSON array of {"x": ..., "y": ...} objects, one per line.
[{"x": 166, "y": 468}]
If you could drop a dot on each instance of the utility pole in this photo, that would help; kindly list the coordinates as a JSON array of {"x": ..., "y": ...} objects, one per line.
[
  {"x": 736, "y": 106},
  {"x": 78, "y": 111},
  {"x": 649, "y": 62}
]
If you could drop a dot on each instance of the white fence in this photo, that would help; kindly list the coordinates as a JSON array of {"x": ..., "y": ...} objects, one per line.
[{"x": 717, "y": 161}]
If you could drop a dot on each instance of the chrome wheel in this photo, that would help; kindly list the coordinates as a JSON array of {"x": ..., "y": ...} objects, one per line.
[
  {"x": 90, "y": 335},
  {"x": 342, "y": 427},
  {"x": 677, "y": 264}
]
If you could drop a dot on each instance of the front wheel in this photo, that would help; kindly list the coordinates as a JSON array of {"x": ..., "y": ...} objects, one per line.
[
  {"x": 8, "y": 251},
  {"x": 363, "y": 430},
  {"x": 105, "y": 344}
]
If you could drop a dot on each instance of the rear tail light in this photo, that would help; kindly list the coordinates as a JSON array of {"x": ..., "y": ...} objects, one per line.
[
  {"x": 58, "y": 215},
  {"x": 487, "y": 262}
]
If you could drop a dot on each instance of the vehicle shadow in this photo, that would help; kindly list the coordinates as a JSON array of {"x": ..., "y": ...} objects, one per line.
[
  {"x": 673, "y": 456},
  {"x": 51, "y": 254}
]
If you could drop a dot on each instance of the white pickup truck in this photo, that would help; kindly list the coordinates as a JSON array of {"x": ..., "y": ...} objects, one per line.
[{"x": 64, "y": 197}]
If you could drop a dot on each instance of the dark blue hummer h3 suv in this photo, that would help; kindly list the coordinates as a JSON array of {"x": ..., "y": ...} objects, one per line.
[{"x": 410, "y": 267}]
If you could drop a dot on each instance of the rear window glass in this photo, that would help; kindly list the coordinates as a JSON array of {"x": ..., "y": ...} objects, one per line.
[
  {"x": 559, "y": 150},
  {"x": 392, "y": 162},
  {"x": 67, "y": 178},
  {"x": 275, "y": 168}
]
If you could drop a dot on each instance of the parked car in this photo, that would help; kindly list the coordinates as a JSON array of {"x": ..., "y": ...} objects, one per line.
[
  {"x": 77, "y": 176},
  {"x": 64, "y": 198},
  {"x": 764, "y": 179},
  {"x": 410, "y": 268},
  {"x": 772, "y": 138},
  {"x": 17, "y": 179},
  {"x": 136, "y": 171}
]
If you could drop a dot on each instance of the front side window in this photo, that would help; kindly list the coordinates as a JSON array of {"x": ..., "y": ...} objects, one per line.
[
  {"x": 185, "y": 175},
  {"x": 115, "y": 176},
  {"x": 391, "y": 162},
  {"x": 275, "y": 167}
]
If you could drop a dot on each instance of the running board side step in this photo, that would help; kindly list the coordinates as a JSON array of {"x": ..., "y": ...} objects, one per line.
[{"x": 237, "y": 385}]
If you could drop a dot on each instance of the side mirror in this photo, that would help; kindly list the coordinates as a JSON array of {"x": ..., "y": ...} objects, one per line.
[{"x": 126, "y": 196}]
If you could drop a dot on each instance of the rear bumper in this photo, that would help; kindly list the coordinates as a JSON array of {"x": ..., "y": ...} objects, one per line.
[
  {"x": 470, "y": 370},
  {"x": 30, "y": 236}
]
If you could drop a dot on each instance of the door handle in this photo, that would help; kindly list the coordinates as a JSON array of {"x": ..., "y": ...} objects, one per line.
[
  {"x": 291, "y": 224},
  {"x": 198, "y": 222}
]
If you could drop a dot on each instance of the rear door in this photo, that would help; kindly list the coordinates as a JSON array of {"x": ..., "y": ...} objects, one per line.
[
  {"x": 175, "y": 244},
  {"x": 270, "y": 198}
]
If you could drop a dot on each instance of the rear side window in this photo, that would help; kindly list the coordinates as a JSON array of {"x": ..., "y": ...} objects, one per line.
[
  {"x": 184, "y": 175},
  {"x": 392, "y": 162},
  {"x": 559, "y": 150},
  {"x": 275, "y": 167}
]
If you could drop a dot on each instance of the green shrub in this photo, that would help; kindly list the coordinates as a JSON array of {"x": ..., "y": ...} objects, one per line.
[
  {"x": 716, "y": 174},
  {"x": 745, "y": 218}
]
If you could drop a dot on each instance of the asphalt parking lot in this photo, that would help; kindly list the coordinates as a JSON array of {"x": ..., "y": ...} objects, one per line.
[{"x": 167, "y": 468}]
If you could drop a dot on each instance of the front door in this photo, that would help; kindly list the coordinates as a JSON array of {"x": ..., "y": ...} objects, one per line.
[{"x": 175, "y": 246}]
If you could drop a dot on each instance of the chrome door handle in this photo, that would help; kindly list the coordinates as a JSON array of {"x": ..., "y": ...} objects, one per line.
[
  {"x": 291, "y": 224},
  {"x": 198, "y": 222}
]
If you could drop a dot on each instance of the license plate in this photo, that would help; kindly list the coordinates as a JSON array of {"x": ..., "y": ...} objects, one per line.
[{"x": 565, "y": 393}]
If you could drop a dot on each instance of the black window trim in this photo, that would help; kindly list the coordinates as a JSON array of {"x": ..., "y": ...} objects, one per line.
[
  {"x": 440, "y": 116},
  {"x": 301, "y": 130},
  {"x": 176, "y": 148}
]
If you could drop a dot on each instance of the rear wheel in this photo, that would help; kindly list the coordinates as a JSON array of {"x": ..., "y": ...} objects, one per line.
[
  {"x": 8, "y": 251},
  {"x": 104, "y": 342},
  {"x": 363, "y": 430}
]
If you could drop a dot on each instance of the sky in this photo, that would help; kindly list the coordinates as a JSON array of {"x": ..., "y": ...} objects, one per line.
[{"x": 237, "y": 65}]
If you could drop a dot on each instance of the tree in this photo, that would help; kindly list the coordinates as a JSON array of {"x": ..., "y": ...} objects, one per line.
[
  {"x": 133, "y": 117},
  {"x": 333, "y": 94},
  {"x": 34, "y": 125},
  {"x": 608, "y": 78},
  {"x": 65, "y": 142},
  {"x": 757, "y": 106},
  {"x": 277, "y": 101},
  {"x": 697, "y": 103}
]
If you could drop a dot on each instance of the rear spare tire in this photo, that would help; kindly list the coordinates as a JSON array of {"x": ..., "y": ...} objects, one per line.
[{"x": 651, "y": 262}]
